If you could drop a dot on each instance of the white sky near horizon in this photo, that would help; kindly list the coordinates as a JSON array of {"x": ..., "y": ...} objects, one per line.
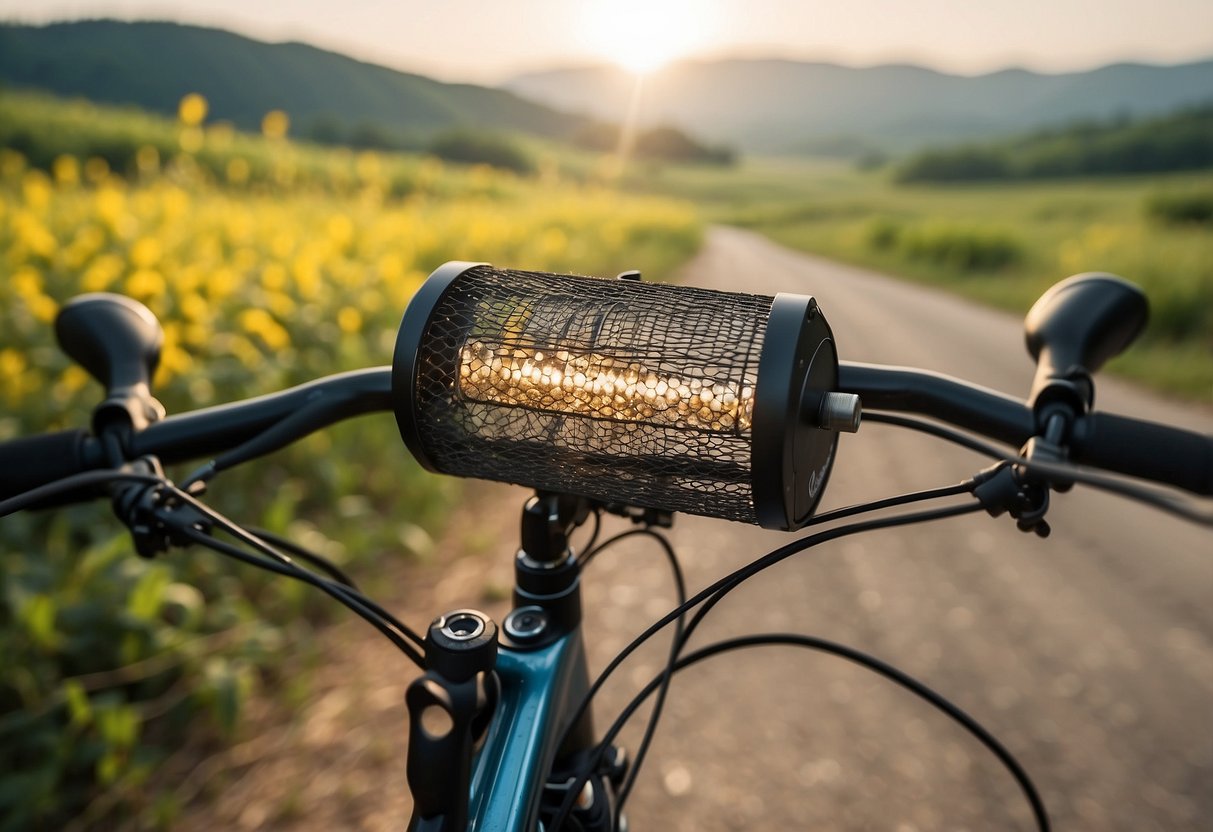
[{"x": 488, "y": 41}]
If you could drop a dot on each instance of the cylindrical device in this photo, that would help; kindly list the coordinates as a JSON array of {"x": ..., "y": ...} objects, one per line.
[{"x": 643, "y": 394}]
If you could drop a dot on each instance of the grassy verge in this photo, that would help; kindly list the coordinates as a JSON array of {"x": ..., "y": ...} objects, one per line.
[{"x": 1000, "y": 244}]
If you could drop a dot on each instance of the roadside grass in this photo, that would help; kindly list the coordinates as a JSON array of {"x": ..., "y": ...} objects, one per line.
[{"x": 1001, "y": 244}]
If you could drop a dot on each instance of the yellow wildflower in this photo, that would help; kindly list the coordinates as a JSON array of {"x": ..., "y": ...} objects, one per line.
[
  {"x": 66, "y": 170},
  {"x": 43, "y": 308},
  {"x": 192, "y": 109},
  {"x": 26, "y": 283},
  {"x": 237, "y": 171},
  {"x": 275, "y": 124},
  {"x": 190, "y": 139},
  {"x": 349, "y": 319},
  {"x": 145, "y": 284},
  {"x": 145, "y": 253},
  {"x": 101, "y": 274},
  {"x": 195, "y": 307},
  {"x": 36, "y": 188},
  {"x": 260, "y": 323}
]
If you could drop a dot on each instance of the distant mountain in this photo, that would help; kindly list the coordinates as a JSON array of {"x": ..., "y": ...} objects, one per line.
[
  {"x": 152, "y": 65},
  {"x": 782, "y": 105}
]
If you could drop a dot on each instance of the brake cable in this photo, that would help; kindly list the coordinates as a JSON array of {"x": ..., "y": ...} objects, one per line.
[
  {"x": 676, "y": 645},
  {"x": 727, "y": 583},
  {"x": 1162, "y": 500},
  {"x": 868, "y": 662}
]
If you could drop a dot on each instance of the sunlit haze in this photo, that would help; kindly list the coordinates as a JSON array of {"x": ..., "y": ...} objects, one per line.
[
  {"x": 481, "y": 41},
  {"x": 643, "y": 36}
]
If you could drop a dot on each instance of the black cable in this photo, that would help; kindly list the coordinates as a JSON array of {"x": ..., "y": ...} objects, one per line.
[
  {"x": 837, "y": 514},
  {"x": 290, "y": 570},
  {"x": 88, "y": 479},
  {"x": 332, "y": 588},
  {"x": 892, "y": 502},
  {"x": 319, "y": 561},
  {"x": 888, "y": 502},
  {"x": 308, "y": 419},
  {"x": 675, "y": 648},
  {"x": 1163, "y": 501},
  {"x": 261, "y": 537},
  {"x": 589, "y": 544},
  {"x": 719, "y": 595},
  {"x": 869, "y": 662},
  {"x": 590, "y": 554},
  {"x": 743, "y": 574},
  {"x": 937, "y": 430},
  {"x": 343, "y": 592}
]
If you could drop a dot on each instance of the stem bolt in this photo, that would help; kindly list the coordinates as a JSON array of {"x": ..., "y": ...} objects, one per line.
[{"x": 526, "y": 623}]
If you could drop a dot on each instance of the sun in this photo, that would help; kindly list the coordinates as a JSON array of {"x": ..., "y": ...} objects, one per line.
[{"x": 643, "y": 36}]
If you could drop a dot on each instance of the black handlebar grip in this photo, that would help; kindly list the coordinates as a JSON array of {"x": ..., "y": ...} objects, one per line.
[
  {"x": 1147, "y": 450},
  {"x": 30, "y": 462}
]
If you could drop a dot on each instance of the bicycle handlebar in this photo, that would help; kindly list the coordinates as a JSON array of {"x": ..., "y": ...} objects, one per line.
[
  {"x": 969, "y": 406},
  {"x": 30, "y": 462},
  {"x": 212, "y": 430},
  {"x": 1146, "y": 450},
  {"x": 33, "y": 461},
  {"x": 1121, "y": 444}
]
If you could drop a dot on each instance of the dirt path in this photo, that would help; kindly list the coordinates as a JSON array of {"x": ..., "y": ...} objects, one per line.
[{"x": 1090, "y": 655}]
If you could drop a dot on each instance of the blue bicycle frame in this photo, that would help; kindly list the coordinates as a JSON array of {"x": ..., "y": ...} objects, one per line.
[{"x": 538, "y": 689}]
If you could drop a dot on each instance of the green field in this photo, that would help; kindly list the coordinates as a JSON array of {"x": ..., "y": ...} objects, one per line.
[{"x": 1002, "y": 244}]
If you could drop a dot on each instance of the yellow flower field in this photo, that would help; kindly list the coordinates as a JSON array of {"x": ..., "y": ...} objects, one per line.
[
  {"x": 284, "y": 284},
  {"x": 260, "y": 283}
]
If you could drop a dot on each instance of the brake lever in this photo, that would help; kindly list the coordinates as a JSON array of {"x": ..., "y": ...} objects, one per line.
[
  {"x": 156, "y": 518},
  {"x": 1006, "y": 489}
]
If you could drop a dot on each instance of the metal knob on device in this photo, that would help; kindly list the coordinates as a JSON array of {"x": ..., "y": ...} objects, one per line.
[{"x": 840, "y": 411}]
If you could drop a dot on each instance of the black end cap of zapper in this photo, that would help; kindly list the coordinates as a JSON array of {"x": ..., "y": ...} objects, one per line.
[
  {"x": 790, "y": 456},
  {"x": 409, "y": 356}
]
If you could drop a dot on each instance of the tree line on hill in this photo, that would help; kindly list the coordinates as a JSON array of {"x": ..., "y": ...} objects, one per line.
[
  {"x": 1180, "y": 141},
  {"x": 491, "y": 147}
]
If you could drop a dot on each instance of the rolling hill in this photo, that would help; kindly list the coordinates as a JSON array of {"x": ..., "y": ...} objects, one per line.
[
  {"x": 782, "y": 105},
  {"x": 152, "y": 65}
]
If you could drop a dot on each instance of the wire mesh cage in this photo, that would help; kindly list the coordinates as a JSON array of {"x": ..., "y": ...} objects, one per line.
[{"x": 621, "y": 391}]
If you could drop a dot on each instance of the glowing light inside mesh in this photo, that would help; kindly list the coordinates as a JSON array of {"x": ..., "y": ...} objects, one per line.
[{"x": 602, "y": 386}]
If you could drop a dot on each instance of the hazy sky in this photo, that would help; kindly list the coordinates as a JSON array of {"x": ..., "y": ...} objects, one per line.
[{"x": 488, "y": 40}]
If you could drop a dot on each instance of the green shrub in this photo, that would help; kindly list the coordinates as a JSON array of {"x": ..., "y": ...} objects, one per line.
[
  {"x": 657, "y": 144},
  {"x": 1181, "y": 208},
  {"x": 957, "y": 247},
  {"x": 882, "y": 234},
  {"x": 960, "y": 247},
  {"x": 477, "y": 147},
  {"x": 965, "y": 164},
  {"x": 1179, "y": 141}
]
